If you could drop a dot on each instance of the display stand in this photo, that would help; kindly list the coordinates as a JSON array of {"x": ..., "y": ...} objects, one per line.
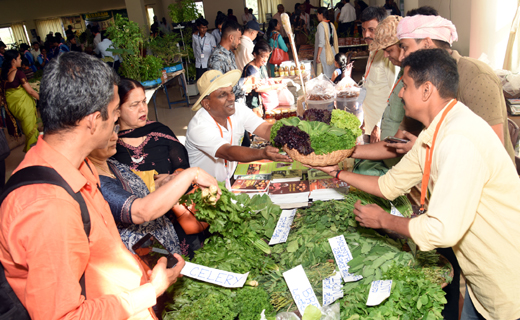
[{"x": 152, "y": 92}]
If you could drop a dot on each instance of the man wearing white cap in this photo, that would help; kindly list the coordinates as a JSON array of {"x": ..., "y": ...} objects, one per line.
[{"x": 216, "y": 131}]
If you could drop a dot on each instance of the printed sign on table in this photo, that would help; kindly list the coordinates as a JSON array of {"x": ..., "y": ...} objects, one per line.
[
  {"x": 281, "y": 232},
  {"x": 379, "y": 291},
  {"x": 394, "y": 211},
  {"x": 332, "y": 289},
  {"x": 343, "y": 256},
  {"x": 218, "y": 277},
  {"x": 300, "y": 288}
]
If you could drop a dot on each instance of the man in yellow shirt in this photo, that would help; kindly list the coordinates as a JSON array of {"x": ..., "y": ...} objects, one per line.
[
  {"x": 379, "y": 75},
  {"x": 474, "y": 188}
]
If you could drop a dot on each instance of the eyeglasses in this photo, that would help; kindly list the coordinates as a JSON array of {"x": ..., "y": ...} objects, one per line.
[{"x": 116, "y": 128}]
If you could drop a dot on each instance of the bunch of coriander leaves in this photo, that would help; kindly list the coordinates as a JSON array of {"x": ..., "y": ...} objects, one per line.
[{"x": 238, "y": 223}]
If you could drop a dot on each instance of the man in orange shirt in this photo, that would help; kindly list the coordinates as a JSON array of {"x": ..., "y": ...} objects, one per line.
[{"x": 43, "y": 245}]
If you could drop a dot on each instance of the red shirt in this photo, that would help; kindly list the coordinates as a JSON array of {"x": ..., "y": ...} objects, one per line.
[{"x": 44, "y": 249}]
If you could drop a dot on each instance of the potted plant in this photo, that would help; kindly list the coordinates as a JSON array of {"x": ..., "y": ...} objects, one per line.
[
  {"x": 167, "y": 49},
  {"x": 183, "y": 12},
  {"x": 128, "y": 40},
  {"x": 150, "y": 70},
  {"x": 129, "y": 44}
]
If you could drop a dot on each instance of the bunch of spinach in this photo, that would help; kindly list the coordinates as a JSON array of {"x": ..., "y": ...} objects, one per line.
[
  {"x": 413, "y": 297},
  {"x": 198, "y": 300}
]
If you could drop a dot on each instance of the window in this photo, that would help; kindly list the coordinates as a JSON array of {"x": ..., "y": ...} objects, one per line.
[
  {"x": 6, "y": 36},
  {"x": 151, "y": 14},
  {"x": 200, "y": 8},
  {"x": 250, "y": 4}
]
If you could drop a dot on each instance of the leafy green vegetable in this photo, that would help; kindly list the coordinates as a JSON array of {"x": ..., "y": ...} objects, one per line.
[
  {"x": 328, "y": 142},
  {"x": 241, "y": 228},
  {"x": 413, "y": 296},
  {"x": 311, "y": 313},
  {"x": 292, "y": 121},
  {"x": 345, "y": 120}
]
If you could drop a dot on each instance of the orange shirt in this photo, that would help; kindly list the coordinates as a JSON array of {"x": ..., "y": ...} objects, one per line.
[{"x": 44, "y": 249}]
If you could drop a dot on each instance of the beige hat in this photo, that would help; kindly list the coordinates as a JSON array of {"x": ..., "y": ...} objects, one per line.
[
  {"x": 212, "y": 80},
  {"x": 386, "y": 33}
]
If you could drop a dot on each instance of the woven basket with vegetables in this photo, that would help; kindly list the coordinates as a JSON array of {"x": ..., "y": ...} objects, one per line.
[{"x": 320, "y": 138}]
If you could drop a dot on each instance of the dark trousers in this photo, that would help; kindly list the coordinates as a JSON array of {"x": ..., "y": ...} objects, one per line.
[
  {"x": 345, "y": 29},
  {"x": 115, "y": 65},
  {"x": 199, "y": 72},
  {"x": 451, "y": 308}
]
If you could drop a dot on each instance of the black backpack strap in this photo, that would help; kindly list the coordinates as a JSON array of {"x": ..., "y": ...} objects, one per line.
[{"x": 46, "y": 175}]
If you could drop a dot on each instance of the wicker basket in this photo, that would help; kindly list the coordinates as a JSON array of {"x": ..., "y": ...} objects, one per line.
[{"x": 324, "y": 160}]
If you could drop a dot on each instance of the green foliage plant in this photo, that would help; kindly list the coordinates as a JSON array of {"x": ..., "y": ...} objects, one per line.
[
  {"x": 128, "y": 39},
  {"x": 166, "y": 49},
  {"x": 183, "y": 11}
]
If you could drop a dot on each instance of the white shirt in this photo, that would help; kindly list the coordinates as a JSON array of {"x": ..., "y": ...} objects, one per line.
[
  {"x": 203, "y": 139},
  {"x": 202, "y": 46},
  {"x": 97, "y": 40},
  {"x": 305, "y": 17},
  {"x": 348, "y": 13},
  {"x": 278, "y": 16},
  {"x": 217, "y": 34},
  {"x": 244, "y": 52},
  {"x": 379, "y": 83},
  {"x": 35, "y": 53},
  {"x": 102, "y": 49},
  {"x": 246, "y": 18}
]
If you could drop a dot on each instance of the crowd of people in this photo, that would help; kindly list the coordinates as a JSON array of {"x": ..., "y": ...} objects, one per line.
[{"x": 131, "y": 172}]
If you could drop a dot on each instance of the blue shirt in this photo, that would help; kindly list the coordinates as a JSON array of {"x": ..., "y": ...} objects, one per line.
[{"x": 30, "y": 60}]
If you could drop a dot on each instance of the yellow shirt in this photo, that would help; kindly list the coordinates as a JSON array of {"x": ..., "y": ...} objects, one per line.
[
  {"x": 473, "y": 207},
  {"x": 380, "y": 77}
]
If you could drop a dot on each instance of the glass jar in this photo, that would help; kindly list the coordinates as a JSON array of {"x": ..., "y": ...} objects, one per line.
[
  {"x": 292, "y": 112},
  {"x": 269, "y": 115},
  {"x": 277, "y": 114},
  {"x": 285, "y": 113}
]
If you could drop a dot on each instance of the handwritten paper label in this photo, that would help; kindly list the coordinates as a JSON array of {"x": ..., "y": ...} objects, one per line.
[
  {"x": 300, "y": 288},
  {"x": 281, "y": 232},
  {"x": 394, "y": 211},
  {"x": 343, "y": 256},
  {"x": 332, "y": 289},
  {"x": 379, "y": 291},
  {"x": 218, "y": 277}
]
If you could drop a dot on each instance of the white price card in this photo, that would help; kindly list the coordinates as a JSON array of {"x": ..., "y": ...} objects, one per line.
[
  {"x": 379, "y": 291},
  {"x": 281, "y": 232},
  {"x": 332, "y": 289},
  {"x": 301, "y": 289},
  {"x": 215, "y": 276},
  {"x": 394, "y": 211},
  {"x": 343, "y": 256}
]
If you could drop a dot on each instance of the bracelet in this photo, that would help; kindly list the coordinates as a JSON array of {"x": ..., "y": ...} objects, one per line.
[{"x": 337, "y": 174}]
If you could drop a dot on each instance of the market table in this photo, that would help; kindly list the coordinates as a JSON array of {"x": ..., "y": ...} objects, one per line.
[{"x": 152, "y": 92}]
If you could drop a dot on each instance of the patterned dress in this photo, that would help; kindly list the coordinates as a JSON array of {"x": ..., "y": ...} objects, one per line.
[
  {"x": 160, "y": 150},
  {"x": 120, "y": 194}
]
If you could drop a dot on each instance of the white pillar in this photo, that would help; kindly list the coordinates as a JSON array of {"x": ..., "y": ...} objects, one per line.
[
  {"x": 137, "y": 13},
  {"x": 489, "y": 29},
  {"x": 409, "y": 5}
]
